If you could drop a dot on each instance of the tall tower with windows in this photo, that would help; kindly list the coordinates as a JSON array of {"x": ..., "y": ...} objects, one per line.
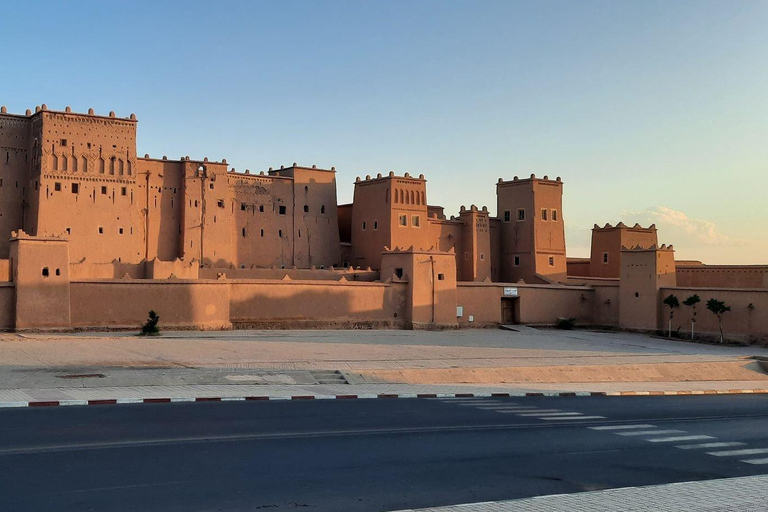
[{"x": 532, "y": 235}]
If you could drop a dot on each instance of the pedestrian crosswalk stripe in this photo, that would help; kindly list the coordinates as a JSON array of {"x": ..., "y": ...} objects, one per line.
[
  {"x": 620, "y": 427},
  {"x": 650, "y": 432},
  {"x": 732, "y": 453},
  {"x": 710, "y": 445},
  {"x": 677, "y": 439},
  {"x": 756, "y": 461}
]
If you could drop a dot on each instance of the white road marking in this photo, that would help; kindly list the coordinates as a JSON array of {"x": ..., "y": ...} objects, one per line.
[
  {"x": 475, "y": 404},
  {"x": 509, "y": 407},
  {"x": 549, "y": 414},
  {"x": 621, "y": 427},
  {"x": 677, "y": 439},
  {"x": 576, "y": 418},
  {"x": 732, "y": 453},
  {"x": 756, "y": 461},
  {"x": 650, "y": 432},
  {"x": 709, "y": 445}
]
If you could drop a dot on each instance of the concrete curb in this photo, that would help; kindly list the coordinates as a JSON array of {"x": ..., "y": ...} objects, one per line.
[{"x": 117, "y": 401}]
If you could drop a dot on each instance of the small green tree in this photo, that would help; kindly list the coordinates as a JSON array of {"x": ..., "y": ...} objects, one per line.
[
  {"x": 692, "y": 301},
  {"x": 671, "y": 302},
  {"x": 718, "y": 307},
  {"x": 150, "y": 328}
]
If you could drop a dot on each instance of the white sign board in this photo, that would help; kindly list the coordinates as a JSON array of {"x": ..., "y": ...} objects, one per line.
[{"x": 510, "y": 292}]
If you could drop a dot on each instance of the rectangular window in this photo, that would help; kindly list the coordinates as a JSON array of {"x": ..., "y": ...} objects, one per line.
[
  {"x": 375, "y": 225},
  {"x": 57, "y": 187},
  {"x": 399, "y": 273},
  {"x": 507, "y": 215},
  {"x": 261, "y": 208},
  {"x": 63, "y": 142},
  {"x": 281, "y": 210},
  {"x": 262, "y": 233},
  {"x": 104, "y": 190},
  {"x": 306, "y": 208},
  {"x": 243, "y": 232},
  {"x": 242, "y": 207},
  {"x": 75, "y": 188},
  {"x": 403, "y": 220},
  {"x": 517, "y": 261},
  {"x": 120, "y": 231},
  {"x": 482, "y": 256},
  {"x": 605, "y": 258},
  {"x": 551, "y": 261},
  {"x": 521, "y": 214},
  {"x": 363, "y": 225},
  {"x": 554, "y": 215},
  {"x": 415, "y": 221},
  {"x": 101, "y": 231},
  {"x": 123, "y": 191},
  {"x": 543, "y": 214}
]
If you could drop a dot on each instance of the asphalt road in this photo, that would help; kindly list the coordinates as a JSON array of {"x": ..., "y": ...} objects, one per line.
[{"x": 367, "y": 455}]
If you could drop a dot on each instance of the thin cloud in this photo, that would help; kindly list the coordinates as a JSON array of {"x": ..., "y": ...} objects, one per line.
[{"x": 678, "y": 228}]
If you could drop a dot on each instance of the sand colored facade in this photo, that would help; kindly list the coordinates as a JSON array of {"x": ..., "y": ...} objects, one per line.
[{"x": 93, "y": 236}]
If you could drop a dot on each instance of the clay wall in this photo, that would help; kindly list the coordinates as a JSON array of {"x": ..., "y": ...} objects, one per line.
[
  {"x": 474, "y": 260},
  {"x": 722, "y": 276},
  {"x": 315, "y": 303},
  {"x": 126, "y": 303},
  {"x": 408, "y": 213},
  {"x": 7, "y": 305},
  {"x": 495, "y": 230},
  {"x": 534, "y": 304},
  {"x": 5, "y": 271},
  {"x": 15, "y": 165},
  {"x": 85, "y": 269},
  {"x": 742, "y": 322},
  {"x": 549, "y": 228},
  {"x": 643, "y": 273},
  {"x": 263, "y": 220},
  {"x": 516, "y": 236},
  {"x": 292, "y": 273},
  {"x": 316, "y": 230},
  {"x": 447, "y": 235},
  {"x": 578, "y": 267},
  {"x": 160, "y": 192}
]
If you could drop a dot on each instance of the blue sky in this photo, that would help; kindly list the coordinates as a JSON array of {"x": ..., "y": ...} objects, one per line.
[{"x": 650, "y": 111}]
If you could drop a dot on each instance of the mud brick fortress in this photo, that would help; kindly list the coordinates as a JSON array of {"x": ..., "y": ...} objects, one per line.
[{"x": 93, "y": 236}]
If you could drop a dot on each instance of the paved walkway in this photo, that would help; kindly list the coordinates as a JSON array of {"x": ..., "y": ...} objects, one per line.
[{"x": 747, "y": 494}]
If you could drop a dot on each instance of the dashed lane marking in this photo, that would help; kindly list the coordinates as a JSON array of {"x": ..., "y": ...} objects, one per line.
[
  {"x": 620, "y": 427},
  {"x": 650, "y": 432},
  {"x": 550, "y": 414},
  {"x": 702, "y": 446},
  {"x": 575, "y": 418},
  {"x": 736, "y": 453},
  {"x": 676, "y": 439}
]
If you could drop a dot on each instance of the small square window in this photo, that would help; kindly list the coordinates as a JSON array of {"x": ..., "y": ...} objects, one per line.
[
  {"x": 220, "y": 203},
  {"x": 120, "y": 230},
  {"x": 554, "y": 215},
  {"x": 322, "y": 209},
  {"x": 69, "y": 231},
  {"x": 104, "y": 190},
  {"x": 242, "y": 207},
  {"x": 57, "y": 187},
  {"x": 261, "y": 208},
  {"x": 551, "y": 261},
  {"x": 517, "y": 261},
  {"x": 281, "y": 210},
  {"x": 75, "y": 188},
  {"x": 306, "y": 208},
  {"x": 58, "y": 271},
  {"x": 507, "y": 215},
  {"x": 415, "y": 221},
  {"x": 101, "y": 231},
  {"x": 45, "y": 272},
  {"x": 403, "y": 220},
  {"x": 440, "y": 277},
  {"x": 63, "y": 142},
  {"x": 520, "y": 214},
  {"x": 123, "y": 191},
  {"x": 544, "y": 214},
  {"x": 211, "y": 186},
  {"x": 280, "y": 233},
  {"x": 482, "y": 256},
  {"x": 399, "y": 273}
]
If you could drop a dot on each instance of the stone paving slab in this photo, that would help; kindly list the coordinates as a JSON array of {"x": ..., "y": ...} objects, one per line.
[{"x": 744, "y": 494}]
